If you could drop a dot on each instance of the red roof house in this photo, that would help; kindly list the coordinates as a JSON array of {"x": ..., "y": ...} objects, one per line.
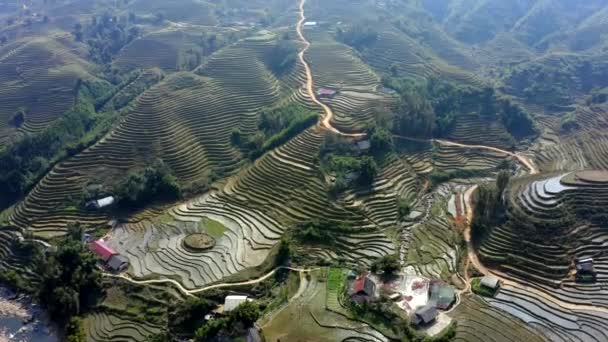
[
  {"x": 362, "y": 289},
  {"x": 101, "y": 249},
  {"x": 326, "y": 93}
]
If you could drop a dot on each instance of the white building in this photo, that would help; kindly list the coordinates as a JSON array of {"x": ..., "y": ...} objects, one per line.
[
  {"x": 310, "y": 24},
  {"x": 231, "y": 302},
  {"x": 101, "y": 203}
]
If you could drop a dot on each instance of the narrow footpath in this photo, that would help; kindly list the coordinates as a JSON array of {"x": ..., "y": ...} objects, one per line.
[{"x": 209, "y": 287}]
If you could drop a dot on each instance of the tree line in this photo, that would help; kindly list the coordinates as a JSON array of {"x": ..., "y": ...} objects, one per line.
[{"x": 429, "y": 108}]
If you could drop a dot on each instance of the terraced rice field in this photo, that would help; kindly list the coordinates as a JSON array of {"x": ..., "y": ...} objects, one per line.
[
  {"x": 586, "y": 150},
  {"x": 155, "y": 249},
  {"x": 564, "y": 205},
  {"x": 546, "y": 203},
  {"x": 478, "y": 321},
  {"x": 106, "y": 327},
  {"x": 43, "y": 69},
  {"x": 189, "y": 129},
  {"x": 185, "y": 115},
  {"x": 13, "y": 258}
]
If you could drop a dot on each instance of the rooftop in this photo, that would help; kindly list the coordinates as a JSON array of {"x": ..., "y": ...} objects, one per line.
[
  {"x": 231, "y": 302},
  {"x": 490, "y": 281},
  {"x": 102, "y": 250},
  {"x": 363, "y": 286},
  {"x": 118, "y": 262},
  {"x": 364, "y": 145},
  {"x": 326, "y": 92},
  {"x": 425, "y": 314}
]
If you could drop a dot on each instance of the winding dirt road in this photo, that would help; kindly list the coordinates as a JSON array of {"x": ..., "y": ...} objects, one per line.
[
  {"x": 209, "y": 287},
  {"x": 329, "y": 113}
]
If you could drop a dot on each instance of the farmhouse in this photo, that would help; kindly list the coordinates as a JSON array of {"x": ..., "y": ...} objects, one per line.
[
  {"x": 231, "y": 302},
  {"x": 326, "y": 93},
  {"x": 118, "y": 263},
  {"x": 362, "y": 289},
  {"x": 424, "y": 315},
  {"x": 490, "y": 282},
  {"x": 585, "y": 271},
  {"x": 102, "y": 250}
]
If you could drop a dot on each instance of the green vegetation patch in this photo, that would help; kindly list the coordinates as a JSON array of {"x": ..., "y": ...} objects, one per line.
[
  {"x": 276, "y": 126},
  {"x": 481, "y": 290},
  {"x": 199, "y": 241},
  {"x": 429, "y": 108},
  {"x": 155, "y": 182},
  {"x": 214, "y": 228}
]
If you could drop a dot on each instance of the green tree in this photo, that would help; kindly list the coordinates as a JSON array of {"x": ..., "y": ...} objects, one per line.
[
  {"x": 75, "y": 330},
  {"x": 282, "y": 57},
  {"x": 388, "y": 264},
  {"x": 367, "y": 170},
  {"x": 247, "y": 313},
  {"x": 189, "y": 315},
  {"x": 155, "y": 182}
]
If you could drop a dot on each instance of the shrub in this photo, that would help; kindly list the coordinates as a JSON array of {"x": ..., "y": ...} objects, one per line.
[
  {"x": 388, "y": 264},
  {"x": 568, "y": 122},
  {"x": 247, "y": 313},
  {"x": 403, "y": 207},
  {"x": 481, "y": 290}
]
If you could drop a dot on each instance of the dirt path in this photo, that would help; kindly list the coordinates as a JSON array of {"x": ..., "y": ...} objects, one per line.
[
  {"x": 326, "y": 122},
  {"x": 527, "y": 162},
  {"x": 209, "y": 287}
]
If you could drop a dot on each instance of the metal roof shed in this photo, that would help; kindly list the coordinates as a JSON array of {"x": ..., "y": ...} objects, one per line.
[
  {"x": 231, "y": 302},
  {"x": 490, "y": 282}
]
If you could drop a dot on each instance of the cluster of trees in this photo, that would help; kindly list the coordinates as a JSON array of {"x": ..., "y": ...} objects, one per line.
[
  {"x": 490, "y": 207},
  {"x": 105, "y": 36},
  {"x": 429, "y": 108},
  {"x": 155, "y": 182},
  {"x": 70, "y": 281},
  {"x": 357, "y": 36},
  {"x": 276, "y": 126},
  {"x": 343, "y": 160},
  {"x": 188, "y": 319},
  {"x": 388, "y": 264},
  {"x": 282, "y": 57},
  {"x": 349, "y": 169},
  {"x": 232, "y": 325}
]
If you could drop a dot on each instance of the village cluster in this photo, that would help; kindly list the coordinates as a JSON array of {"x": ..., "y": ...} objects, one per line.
[{"x": 424, "y": 300}]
